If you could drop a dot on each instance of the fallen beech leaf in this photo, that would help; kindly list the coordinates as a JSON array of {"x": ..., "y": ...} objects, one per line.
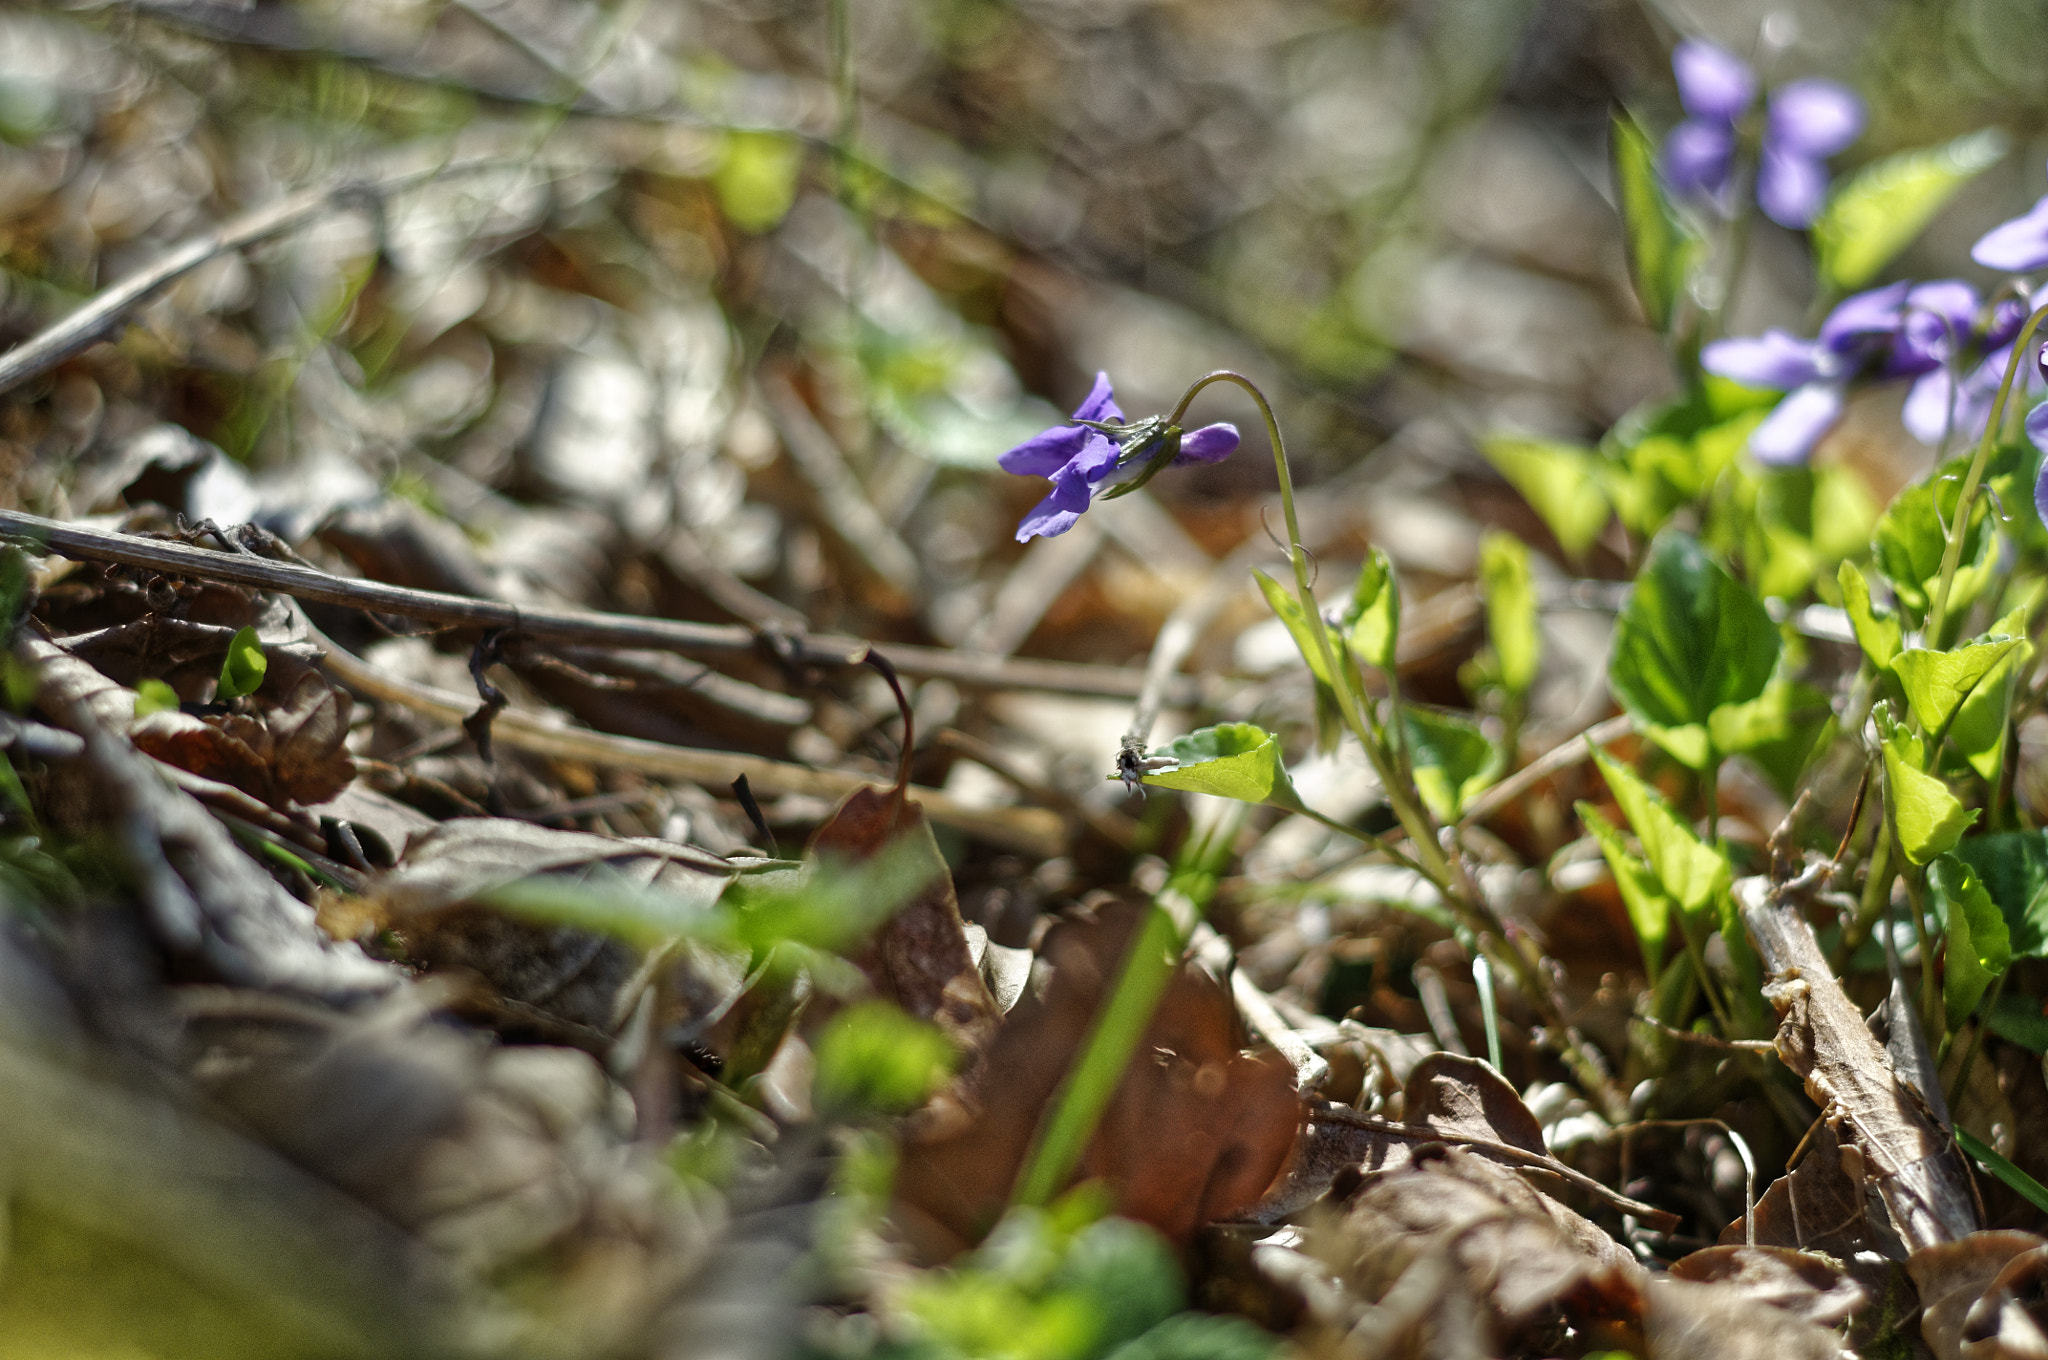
[
  {"x": 229, "y": 748},
  {"x": 1954, "y": 1278},
  {"x": 2011, "y": 1322},
  {"x": 920, "y": 957},
  {"x": 1197, "y": 1130}
]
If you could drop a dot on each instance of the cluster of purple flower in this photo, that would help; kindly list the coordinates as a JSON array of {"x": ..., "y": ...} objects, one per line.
[
  {"x": 1941, "y": 335},
  {"x": 1805, "y": 122}
]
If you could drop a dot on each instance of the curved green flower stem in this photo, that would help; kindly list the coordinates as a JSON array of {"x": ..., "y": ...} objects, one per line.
[
  {"x": 1365, "y": 838},
  {"x": 1444, "y": 868},
  {"x": 1414, "y": 820},
  {"x": 1959, "y": 526}
]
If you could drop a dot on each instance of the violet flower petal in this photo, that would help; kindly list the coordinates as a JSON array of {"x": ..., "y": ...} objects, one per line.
[
  {"x": 1210, "y": 444},
  {"x": 1859, "y": 316},
  {"x": 1046, "y": 452},
  {"x": 1813, "y": 119},
  {"x": 1101, "y": 403},
  {"x": 1926, "y": 413},
  {"x": 1773, "y": 359},
  {"x": 2037, "y": 433},
  {"x": 2007, "y": 317},
  {"x": 2017, "y": 247},
  {"x": 1936, "y": 322},
  {"x": 1790, "y": 187},
  {"x": 1713, "y": 83},
  {"x": 1698, "y": 158},
  {"x": 1094, "y": 462},
  {"x": 1788, "y": 434},
  {"x": 1046, "y": 520}
]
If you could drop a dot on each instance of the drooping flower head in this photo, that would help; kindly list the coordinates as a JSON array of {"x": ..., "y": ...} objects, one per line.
[
  {"x": 1805, "y": 122},
  {"x": 1928, "y": 332},
  {"x": 1102, "y": 455}
]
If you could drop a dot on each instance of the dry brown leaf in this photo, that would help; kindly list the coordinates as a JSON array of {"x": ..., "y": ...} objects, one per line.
[
  {"x": 1958, "y": 1279},
  {"x": 1820, "y": 1205},
  {"x": 308, "y": 720},
  {"x": 1196, "y": 1132},
  {"x": 920, "y": 957},
  {"x": 1803, "y": 1283},
  {"x": 1687, "y": 1321},
  {"x": 1452, "y": 1253}
]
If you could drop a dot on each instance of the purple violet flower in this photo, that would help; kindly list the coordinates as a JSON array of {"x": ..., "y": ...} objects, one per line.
[
  {"x": 1806, "y": 122},
  {"x": 2019, "y": 246},
  {"x": 1100, "y": 451},
  {"x": 1902, "y": 330}
]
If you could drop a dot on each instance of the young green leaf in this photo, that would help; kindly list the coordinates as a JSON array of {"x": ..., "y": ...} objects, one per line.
[
  {"x": 242, "y": 673},
  {"x": 1927, "y": 817},
  {"x": 1287, "y": 606},
  {"x": 1876, "y": 213},
  {"x": 1561, "y": 482},
  {"x": 2014, "y": 868},
  {"x": 1877, "y": 630},
  {"x": 1660, "y": 250},
  {"x": 1936, "y": 683},
  {"x": 1692, "y": 872},
  {"x": 1780, "y": 730},
  {"x": 1453, "y": 759},
  {"x": 1510, "y": 610},
  {"x": 1912, "y": 535},
  {"x": 1979, "y": 945},
  {"x": 1979, "y": 727},
  {"x": 1649, "y": 907},
  {"x": 874, "y": 1056},
  {"x": 154, "y": 696},
  {"x": 1229, "y": 760},
  {"x": 1372, "y": 617},
  {"x": 1691, "y": 640}
]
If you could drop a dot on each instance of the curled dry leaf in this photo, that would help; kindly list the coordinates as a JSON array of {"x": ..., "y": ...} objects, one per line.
[
  {"x": 1968, "y": 1306},
  {"x": 1196, "y": 1132},
  {"x": 1687, "y": 1321},
  {"x": 1823, "y": 1204}
]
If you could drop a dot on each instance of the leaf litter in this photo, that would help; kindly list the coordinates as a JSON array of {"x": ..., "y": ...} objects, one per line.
[{"x": 377, "y": 982}]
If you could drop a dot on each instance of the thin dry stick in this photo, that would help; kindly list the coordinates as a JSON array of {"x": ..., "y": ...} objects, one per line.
[
  {"x": 589, "y": 627},
  {"x": 1032, "y": 830}
]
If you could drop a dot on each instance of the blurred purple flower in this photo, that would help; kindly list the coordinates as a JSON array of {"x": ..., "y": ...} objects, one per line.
[
  {"x": 1094, "y": 454},
  {"x": 2019, "y": 246},
  {"x": 1921, "y": 331},
  {"x": 1806, "y": 122}
]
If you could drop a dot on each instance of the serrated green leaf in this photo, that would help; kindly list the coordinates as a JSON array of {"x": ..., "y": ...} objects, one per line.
[
  {"x": 1229, "y": 760},
  {"x": 1936, "y": 683},
  {"x": 1452, "y": 757},
  {"x": 1692, "y": 872},
  {"x": 1877, "y": 630},
  {"x": 1510, "y": 591},
  {"x": 1561, "y": 482},
  {"x": 1928, "y": 818},
  {"x": 1372, "y": 616},
  {"x": 1875, "y": 213},
  {"x": 243, "y": 671},
  {"x": 1649, "y": 908},
  {"x": 1691, "y": 639},
  {"x": 154, "y": 696},
  {"x": 1979, "y": 945},
  {"x": 1287, "y": 606},
  {"x": 1660, "y": 248}
]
